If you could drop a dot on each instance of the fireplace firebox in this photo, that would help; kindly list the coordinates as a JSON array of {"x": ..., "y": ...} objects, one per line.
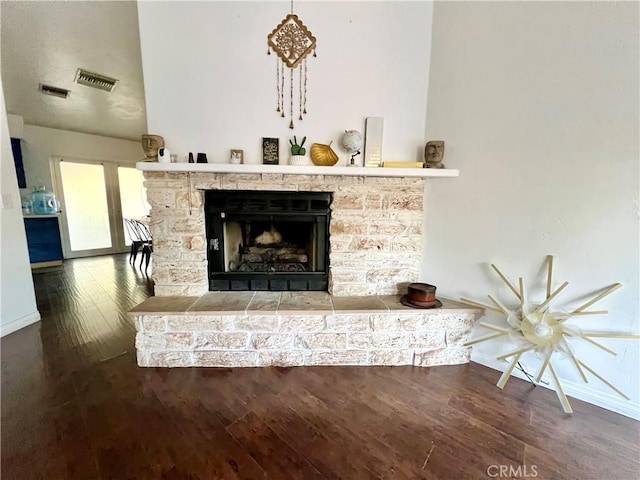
[{"x": 267, "y": 240}]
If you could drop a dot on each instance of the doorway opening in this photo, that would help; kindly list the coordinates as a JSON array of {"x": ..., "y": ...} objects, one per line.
[{"x": 94, "y": 199}]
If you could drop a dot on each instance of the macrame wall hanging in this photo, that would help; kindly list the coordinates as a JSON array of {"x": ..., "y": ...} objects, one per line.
[{"x": 292, "y": 42}]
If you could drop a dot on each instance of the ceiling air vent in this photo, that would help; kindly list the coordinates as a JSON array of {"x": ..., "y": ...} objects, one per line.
[
  {"x": 55, "y": 91},
  {"x": 95, "y": 80}
]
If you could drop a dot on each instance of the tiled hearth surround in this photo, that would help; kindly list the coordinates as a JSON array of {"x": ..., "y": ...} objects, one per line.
[{"x": 375, "y": 250}]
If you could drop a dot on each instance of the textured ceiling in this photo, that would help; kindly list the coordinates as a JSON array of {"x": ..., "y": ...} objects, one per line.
[{"x": 46, "y": 42}]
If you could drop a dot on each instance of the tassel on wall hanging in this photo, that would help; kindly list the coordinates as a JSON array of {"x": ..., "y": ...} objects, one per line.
[{"x": 292, "y": 42}]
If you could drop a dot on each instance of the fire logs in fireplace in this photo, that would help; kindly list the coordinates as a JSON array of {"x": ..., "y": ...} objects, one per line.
[
  {"x": 274, "y": 257},
  {"x": 267, "y": 240}
]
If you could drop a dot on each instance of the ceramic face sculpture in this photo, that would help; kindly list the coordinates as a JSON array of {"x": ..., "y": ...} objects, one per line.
[
  {"x": 150, "y": 145},
  {"x": 433, "y": 153}
]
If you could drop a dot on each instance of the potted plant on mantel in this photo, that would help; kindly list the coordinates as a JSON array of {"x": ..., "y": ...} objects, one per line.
[{"x": 298, "y": 152}]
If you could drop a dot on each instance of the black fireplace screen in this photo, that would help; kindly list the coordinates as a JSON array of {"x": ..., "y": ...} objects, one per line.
[{"x": 267, "y": 240}]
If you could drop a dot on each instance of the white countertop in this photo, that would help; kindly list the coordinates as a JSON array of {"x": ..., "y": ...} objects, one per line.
[{"x": 297, "y": 170}]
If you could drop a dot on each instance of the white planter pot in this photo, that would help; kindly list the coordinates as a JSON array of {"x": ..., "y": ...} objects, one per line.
[{"x": 300, "y": 160}]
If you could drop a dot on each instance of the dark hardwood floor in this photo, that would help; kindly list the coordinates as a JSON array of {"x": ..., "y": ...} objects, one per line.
[{"x": 76, "y": 406}]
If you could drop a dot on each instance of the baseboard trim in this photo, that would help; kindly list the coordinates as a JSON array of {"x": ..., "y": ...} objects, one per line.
[
  {"x": 19, "y": 323},
  {"x": 572, "y": 389},
  {"x": 52, "y": 263}
]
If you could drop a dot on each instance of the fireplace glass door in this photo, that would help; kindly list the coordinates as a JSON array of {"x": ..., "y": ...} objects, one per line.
[{"x": 267, "y": 240}]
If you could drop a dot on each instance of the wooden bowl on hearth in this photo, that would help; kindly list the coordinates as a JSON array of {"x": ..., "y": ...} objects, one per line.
[{"x": 421, "y": 295}]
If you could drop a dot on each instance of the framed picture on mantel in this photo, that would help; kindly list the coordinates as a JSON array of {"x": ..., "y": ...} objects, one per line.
[
  {"x": 237, "y": 156},
  {"x": 270, "y": 151}
]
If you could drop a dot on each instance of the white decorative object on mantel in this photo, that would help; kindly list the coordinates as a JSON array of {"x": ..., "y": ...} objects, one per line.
[
  {"x": 297, "y": 170},
  {"x": 352, "y": 142},
  {"x": 373, "y": 141},
  {"x": 301, "y": 160}
]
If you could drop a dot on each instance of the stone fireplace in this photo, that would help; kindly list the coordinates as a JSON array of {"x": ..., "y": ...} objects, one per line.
[
  {"x": 375, "y": 232},
  {"x": 360, "y": 234}
]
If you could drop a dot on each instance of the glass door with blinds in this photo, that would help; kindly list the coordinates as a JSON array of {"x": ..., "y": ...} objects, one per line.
[{"x": 94, "y": 197}]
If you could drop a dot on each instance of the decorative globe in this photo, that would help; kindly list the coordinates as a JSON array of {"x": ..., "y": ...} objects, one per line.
[{"x": 352, "y": 141}]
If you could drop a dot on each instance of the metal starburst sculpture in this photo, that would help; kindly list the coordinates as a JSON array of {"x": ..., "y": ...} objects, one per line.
[{"x": 545, "y": 331}]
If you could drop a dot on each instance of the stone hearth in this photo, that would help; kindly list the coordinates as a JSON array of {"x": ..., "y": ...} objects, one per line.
[
  {"x": 375, "y": 237},
  {"x": 250, "y": 329}
]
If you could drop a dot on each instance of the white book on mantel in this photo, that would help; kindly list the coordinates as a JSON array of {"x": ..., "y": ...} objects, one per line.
[{"x": 373, "y": 141}]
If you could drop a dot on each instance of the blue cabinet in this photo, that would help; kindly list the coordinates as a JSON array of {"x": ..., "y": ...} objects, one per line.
[{"x": 43, "y": 240}]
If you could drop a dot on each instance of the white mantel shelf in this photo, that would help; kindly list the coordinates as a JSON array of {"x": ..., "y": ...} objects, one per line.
[{"x": 297, "y": 170}]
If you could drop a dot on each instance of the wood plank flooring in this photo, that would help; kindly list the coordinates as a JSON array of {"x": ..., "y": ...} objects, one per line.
[{"x": 76, "y": 406}]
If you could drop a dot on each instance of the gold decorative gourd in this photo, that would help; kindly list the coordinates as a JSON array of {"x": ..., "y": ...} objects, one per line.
[{"x": 323, "y": 155}]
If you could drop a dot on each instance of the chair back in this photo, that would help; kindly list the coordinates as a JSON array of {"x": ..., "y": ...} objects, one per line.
[
  {"x": 132, "y": 230},
  {"x": 143, "y": 231}
]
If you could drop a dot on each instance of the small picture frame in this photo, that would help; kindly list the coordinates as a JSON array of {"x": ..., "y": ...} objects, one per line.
[
  {"x": 237, "y": 156},
  {"x": 270, "y": 151}
]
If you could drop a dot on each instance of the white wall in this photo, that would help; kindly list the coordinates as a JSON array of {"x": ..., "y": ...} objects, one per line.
[
  {"x": 210, "y": 85},
  {"x": 538, "y": 105},
  {"x": 16, "y": 126},
  {"x": 40, "y": 144},
  {"x": 17, "y": 298}
]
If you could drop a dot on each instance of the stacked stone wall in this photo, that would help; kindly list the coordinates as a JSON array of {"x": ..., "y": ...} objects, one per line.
[
  {"x": 418, "y": 338},
  {"x": 375, "y": 232}
]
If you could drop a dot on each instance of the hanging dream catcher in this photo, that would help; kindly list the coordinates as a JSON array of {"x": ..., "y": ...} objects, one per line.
[{"x": 292, "y": 42}]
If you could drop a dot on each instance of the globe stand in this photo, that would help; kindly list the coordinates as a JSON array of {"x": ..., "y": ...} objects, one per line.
[
  {"x": 352, "y": 143},
  {"x": 352, "y": 162}
]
